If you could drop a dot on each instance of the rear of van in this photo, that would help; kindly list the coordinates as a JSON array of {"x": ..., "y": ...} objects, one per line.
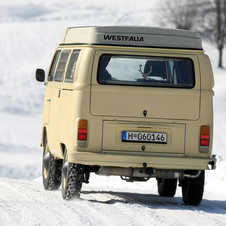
[
  {"x": 134, "y": 102},
  {"x": 148, "y": 105}
]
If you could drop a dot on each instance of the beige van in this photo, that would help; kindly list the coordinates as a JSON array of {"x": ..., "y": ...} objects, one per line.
[{"x": 129, "y": 101}]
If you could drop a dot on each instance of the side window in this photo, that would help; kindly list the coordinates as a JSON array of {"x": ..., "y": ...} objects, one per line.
[
  {"x": 71, "y": 66},
  {"x": 62, "y": 65},
  {"x": 53, "y": 66}
]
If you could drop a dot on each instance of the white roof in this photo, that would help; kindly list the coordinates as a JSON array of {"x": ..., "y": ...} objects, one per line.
[{"x": 132, "y": 36}]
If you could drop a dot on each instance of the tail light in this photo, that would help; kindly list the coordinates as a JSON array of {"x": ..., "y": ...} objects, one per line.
[
  {"x": 204, "y": 139},
  {"x": 82, "y": 132}
]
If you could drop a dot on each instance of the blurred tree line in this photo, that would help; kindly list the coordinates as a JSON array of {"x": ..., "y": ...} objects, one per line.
[{"x": 205, "y": 16}]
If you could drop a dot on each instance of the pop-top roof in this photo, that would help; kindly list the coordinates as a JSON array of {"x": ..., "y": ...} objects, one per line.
[{"x": 132, "y": 36}]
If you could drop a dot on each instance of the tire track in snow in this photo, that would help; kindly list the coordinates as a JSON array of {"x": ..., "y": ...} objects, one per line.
[
  {"x": 12, "y": 207},
  {"x": 129, "y": 208}
]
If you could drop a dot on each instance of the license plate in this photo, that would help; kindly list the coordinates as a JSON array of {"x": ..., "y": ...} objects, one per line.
[{"x": 144, "y": 137}]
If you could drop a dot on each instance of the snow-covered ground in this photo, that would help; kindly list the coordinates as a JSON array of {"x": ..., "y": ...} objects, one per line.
[{"x": 29, "y": 34}]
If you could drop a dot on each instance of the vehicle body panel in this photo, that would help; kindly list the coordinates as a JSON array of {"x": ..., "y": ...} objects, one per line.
[{"x": 112, "y": 109}]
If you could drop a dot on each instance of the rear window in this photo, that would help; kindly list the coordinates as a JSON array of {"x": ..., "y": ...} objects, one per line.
[{"x": 146, "y": 71}]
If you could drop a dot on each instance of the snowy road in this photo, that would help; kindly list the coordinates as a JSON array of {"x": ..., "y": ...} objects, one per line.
[
  {"x": 27, "y": 203},
  {"x": 27, "y": 42}
]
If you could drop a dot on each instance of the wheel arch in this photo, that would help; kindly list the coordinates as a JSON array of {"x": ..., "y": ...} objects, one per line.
[{"x": 45, "y": 134}]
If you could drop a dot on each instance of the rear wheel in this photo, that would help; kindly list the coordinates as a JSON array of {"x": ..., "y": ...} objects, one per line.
[
  {"x": 192, "y": 189},
  {"x": 167, "y": 187},
  {"x": 51, "y": 169},
  {"x": 72, "y": 178}
]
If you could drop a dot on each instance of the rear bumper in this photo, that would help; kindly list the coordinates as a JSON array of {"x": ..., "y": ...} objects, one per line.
[{"x": 136, "y": 161}]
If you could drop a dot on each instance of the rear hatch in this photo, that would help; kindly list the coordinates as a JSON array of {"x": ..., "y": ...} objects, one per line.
[{"x": 135, "y": 90}]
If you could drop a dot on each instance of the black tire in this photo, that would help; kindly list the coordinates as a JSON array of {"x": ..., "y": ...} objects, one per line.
[
  {"x": 167, "y": 187},
  {"x": 51, "y": 169},
  {"x": 192, "y": 189},
  {"x": 72, "y": 178}
]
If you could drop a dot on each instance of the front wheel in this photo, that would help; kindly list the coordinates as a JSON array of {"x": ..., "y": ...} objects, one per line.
[
  {"x": 51, "y": 169},
  {"x": 72, "y": 178},
  {"x": 192, "y": 189}
]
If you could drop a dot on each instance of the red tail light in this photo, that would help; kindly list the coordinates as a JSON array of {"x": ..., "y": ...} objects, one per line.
[
  {"x": 205, "y": 140},
  {"x": 82, "y": 134}
]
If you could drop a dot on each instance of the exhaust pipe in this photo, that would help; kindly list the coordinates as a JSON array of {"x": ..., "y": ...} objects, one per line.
[{"x": 193, "y": 176}]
